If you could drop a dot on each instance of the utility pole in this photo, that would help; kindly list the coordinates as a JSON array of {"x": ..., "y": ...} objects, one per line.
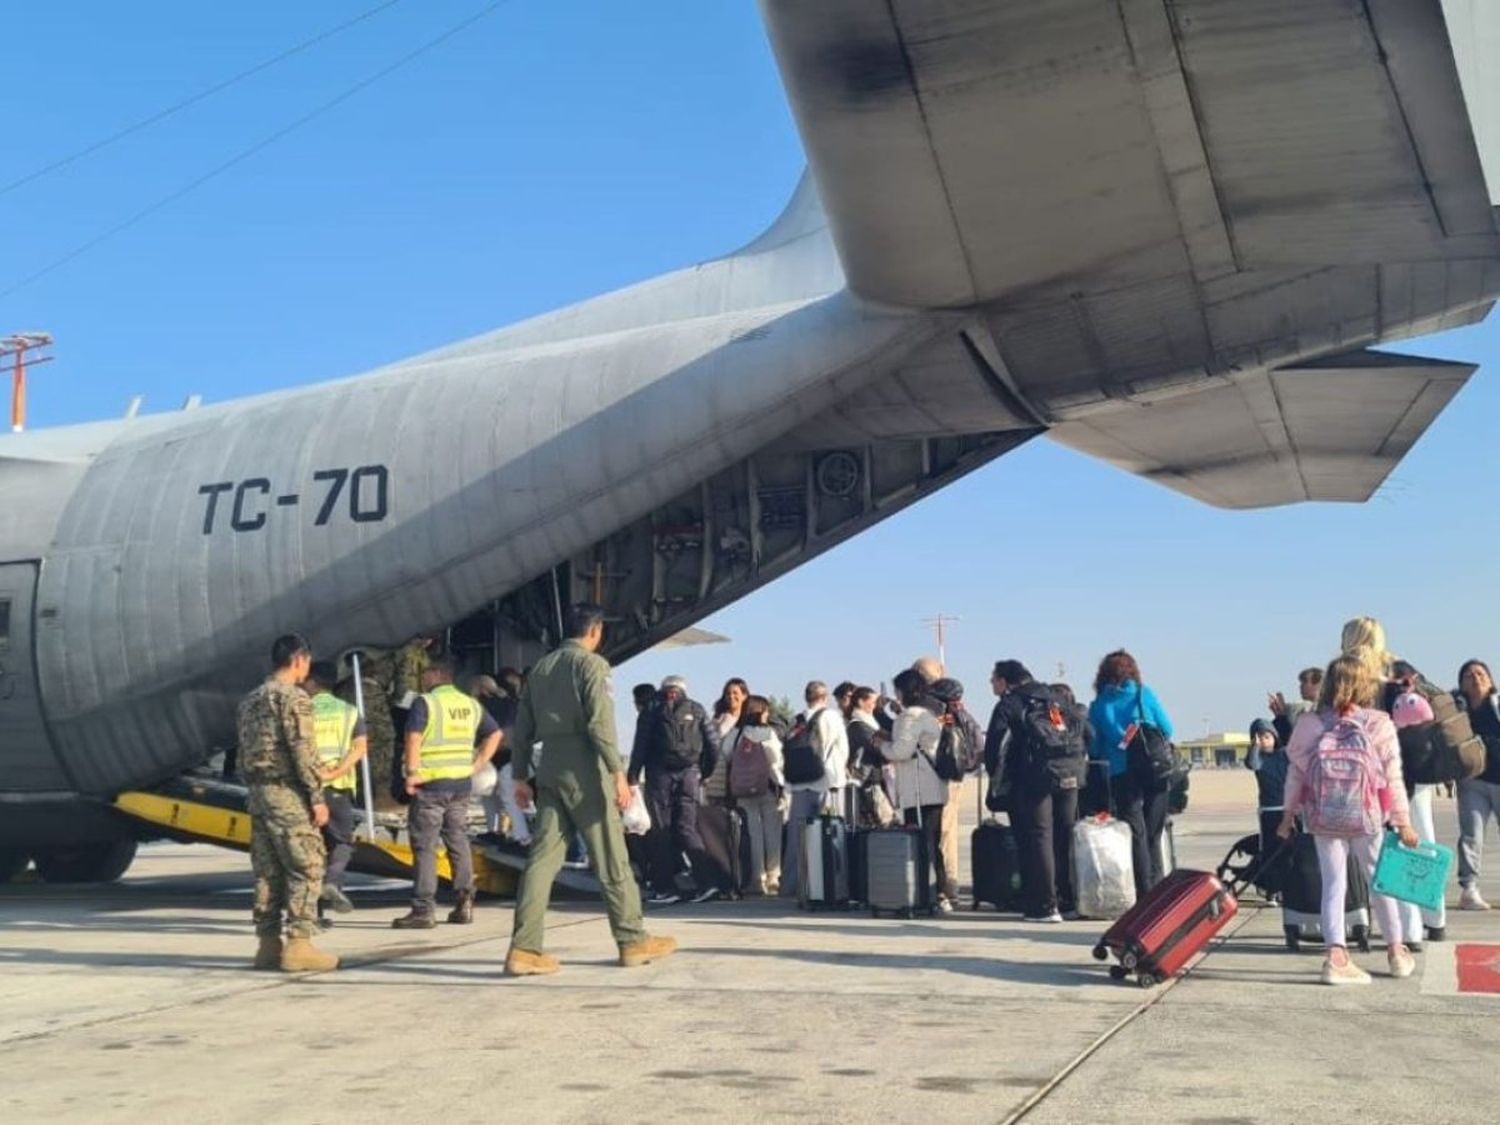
[
  {"x": 16, "y": 345},
  {"x": 939, "y": 625}
]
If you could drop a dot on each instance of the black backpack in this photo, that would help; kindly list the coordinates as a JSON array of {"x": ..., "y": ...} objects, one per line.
[
  {"x": 678, "y": 732},
  {"x": 801, "y": 762},
  {"x": 1150, "y": 754},
  {"x": 1052, "y": 740},
  {"x": 952, "y": 751}
]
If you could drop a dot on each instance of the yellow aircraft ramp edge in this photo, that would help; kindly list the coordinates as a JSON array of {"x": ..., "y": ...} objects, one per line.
[{"x": 202, "y": 822}]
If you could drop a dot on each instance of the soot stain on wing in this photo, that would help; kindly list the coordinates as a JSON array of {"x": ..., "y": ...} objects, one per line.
[{"x": 857, "y": 74}]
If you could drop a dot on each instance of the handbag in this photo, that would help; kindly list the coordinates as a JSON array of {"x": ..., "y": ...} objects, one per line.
[{"x": 1150, "y": 754}]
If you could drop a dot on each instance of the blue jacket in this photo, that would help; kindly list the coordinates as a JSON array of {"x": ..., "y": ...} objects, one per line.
[
  {"x": 1112, "y": 712},
  {"x": 1270, "y": 776}
]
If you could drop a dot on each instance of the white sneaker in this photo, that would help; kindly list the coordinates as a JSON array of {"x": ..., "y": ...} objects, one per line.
[
  {"x": 1045, "y": 919},
  {"x": 1401, "y": 962},
  {"x": 1347, "y": 973},
  {"x": 944, "y": 906},
  {"x": 1471, "y": 899},
  {"x": 706, "y": 895},
  {"x": 663, "y": 900}
]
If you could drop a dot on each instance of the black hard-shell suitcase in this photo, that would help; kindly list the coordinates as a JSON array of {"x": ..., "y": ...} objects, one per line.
[
  {"x": 858, "y": 865},
  {"x": 823, "y": 864},
  {"x": 897, "y": 870},
  {"x": 994, "y": 861},
  {"x": 995, "y": 865},
  {"x": 726, "y": 848}
]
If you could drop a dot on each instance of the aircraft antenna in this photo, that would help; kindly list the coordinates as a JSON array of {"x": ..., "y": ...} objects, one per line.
[
  {"x": 14, "y": 347},
  {"x": 939, "y": 626}
]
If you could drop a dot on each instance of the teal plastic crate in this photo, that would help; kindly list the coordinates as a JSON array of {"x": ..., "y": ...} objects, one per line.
[{"x": 1418, "y": 875}]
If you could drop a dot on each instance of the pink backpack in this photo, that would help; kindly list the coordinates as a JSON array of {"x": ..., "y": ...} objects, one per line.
[
  {"x": 749, "y": 769},
  {"x": 1343, "y": 783}
]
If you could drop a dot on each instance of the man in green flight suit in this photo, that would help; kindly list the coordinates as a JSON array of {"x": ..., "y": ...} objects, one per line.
[
  {"x": 565, "y": 758},
  {"x": 278, "y": 759}
]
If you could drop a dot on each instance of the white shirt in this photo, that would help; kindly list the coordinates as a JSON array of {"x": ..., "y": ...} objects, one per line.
[{"x": 831, "y": 739}]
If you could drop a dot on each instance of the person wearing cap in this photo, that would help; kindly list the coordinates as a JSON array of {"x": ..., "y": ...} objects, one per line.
[
  {"x": 951, "y": 693},
  {"x": 341, "y": 738},
  {"x": 671, "y": 741}
]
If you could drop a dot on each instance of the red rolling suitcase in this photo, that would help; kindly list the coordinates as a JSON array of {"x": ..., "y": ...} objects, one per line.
[{"x": 1162, "y": 932}]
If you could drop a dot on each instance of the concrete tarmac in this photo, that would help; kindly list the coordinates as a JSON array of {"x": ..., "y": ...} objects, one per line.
[{"x": 135, "y": 1002}]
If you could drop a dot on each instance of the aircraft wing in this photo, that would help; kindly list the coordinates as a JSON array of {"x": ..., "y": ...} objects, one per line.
[
  {"x": 691, "y": 637},
  {"x": 969, "y": 151},
  {"x": 1330, "y": 429}
]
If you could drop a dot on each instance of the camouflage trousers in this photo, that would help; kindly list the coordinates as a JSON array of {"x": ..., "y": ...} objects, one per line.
[{"x": 286, "y": 853}]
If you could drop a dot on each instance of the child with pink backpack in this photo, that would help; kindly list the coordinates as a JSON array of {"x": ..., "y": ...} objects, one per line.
[{"x": 1344, "y": 780}]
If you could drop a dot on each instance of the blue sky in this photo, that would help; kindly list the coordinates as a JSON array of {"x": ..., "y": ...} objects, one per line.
[{"x": 555, "y": 151}]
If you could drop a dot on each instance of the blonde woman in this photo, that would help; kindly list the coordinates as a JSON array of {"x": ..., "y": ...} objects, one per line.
[
  {"x": 1364, "y": 639},
  {"x": 1346, "y": 725}
]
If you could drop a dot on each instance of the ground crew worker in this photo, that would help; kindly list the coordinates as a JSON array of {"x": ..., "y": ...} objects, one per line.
[
  {"x": 279, "y": 763},
  {"x": 340, "y": 736},
  {"x": 441, "y": 732},
  {"x": 578, "y": 784}
]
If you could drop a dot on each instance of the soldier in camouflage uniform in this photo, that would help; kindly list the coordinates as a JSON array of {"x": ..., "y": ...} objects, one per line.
[
  {"x": 279, "y": 761},
  {"x": 411, "y": 664},
  {"x": 578, "y": 782},
  {"x": 374, "y": 675}
]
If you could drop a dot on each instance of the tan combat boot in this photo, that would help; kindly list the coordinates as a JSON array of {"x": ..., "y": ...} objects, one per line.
[
  {"x": 646, "y": 950},
  {"x": 525, "y": 963},
  {"x": 302, "y": 956},
  {"x": 463, "y": 913},
  {"x": 268, "y": 955}
]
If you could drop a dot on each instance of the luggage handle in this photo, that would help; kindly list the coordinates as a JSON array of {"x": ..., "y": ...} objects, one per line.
[{"x": 1237, "y": 886}]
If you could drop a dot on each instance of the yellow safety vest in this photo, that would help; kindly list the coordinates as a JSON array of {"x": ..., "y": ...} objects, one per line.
[
  {"x": 333, "y": 734},
  {"x": 448, "y": 740}
]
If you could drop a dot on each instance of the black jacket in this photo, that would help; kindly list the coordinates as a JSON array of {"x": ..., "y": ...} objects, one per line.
[
  {"x": 672, "y": 737},
  {"x": 1485, "y": 720},
  {"x": 865, "y": 758},
  {"x": 1006, "y": 728}
]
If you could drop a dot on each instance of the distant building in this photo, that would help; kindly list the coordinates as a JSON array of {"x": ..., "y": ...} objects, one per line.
[{"x": 1216, "y": 750}]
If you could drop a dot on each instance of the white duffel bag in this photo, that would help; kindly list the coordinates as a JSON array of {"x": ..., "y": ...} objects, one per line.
[{"x": 1103, "y": 875}]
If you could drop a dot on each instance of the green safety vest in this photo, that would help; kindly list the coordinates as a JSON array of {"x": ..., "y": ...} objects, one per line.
[
  {"x": 333, "y": 734},
  {"x": 448, "y": 740}
]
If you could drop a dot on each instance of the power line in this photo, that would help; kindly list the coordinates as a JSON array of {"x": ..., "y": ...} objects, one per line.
[
  {"x": 259, "y": 146},
  {"x": 201, "y": 95}
]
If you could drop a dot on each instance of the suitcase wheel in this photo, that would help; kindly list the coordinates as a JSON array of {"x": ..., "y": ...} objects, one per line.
[
  {"x": 1362, "y": 938},
  {"x": 1293, "y": 937},
  {"x": 1129, "y": 960},
  {"x": 1147, "y": 980},
  {"x": 1101, "y": 953},
  {"x": 1117, "y": 972}
]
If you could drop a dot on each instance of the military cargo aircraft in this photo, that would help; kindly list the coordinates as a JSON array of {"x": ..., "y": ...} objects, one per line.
[{"x": 1166, "y": 233}]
